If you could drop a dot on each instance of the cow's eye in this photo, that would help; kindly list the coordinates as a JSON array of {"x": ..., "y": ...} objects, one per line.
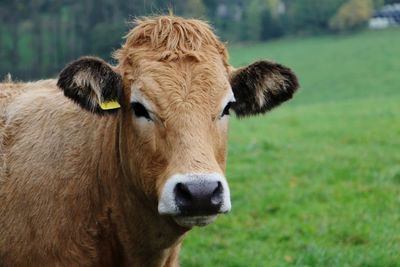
[
  {"x": 227, "y": 109},
  {"x": 140, "y": 110}
]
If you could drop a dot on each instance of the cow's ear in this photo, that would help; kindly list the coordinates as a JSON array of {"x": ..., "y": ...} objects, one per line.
[
  {"x": 261, "y": 86},
  {"x": 93, "y": 84}
]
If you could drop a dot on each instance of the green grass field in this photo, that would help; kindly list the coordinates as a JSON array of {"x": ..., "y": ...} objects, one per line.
[{"x": 317, "y": 181}]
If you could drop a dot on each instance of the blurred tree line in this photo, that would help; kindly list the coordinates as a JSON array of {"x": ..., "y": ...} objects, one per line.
[{"x": 38, "y": 37}]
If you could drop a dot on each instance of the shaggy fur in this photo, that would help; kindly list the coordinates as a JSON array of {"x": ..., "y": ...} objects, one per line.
[{"x": 78, "y": 189}]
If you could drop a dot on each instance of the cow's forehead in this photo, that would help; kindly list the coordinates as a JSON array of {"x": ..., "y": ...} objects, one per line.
[{"x": 201, "y": 85}]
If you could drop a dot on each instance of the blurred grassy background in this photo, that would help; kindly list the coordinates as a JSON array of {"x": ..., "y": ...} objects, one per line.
[{"x": 317, "y": 181}]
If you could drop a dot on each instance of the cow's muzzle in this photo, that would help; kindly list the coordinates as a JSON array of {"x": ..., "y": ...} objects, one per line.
[{"x": 195, "y": 199}]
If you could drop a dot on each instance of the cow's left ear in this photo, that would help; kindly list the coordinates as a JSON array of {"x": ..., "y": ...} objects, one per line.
[
  {"x": 92, "y": 84},
  {"x": 261, "y": 86}
]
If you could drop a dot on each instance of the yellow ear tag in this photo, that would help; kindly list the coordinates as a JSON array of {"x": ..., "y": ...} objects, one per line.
[{"x": 110, "y": 105}]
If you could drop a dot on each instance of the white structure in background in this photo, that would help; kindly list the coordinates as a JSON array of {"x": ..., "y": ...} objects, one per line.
[
  {"x": 281, "y": 8},
  {"x": 387, "y": 16}
]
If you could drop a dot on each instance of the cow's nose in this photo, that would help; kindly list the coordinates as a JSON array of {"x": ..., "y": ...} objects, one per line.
[
  {"x": 199, "y": 198},
  {"x": 194, "y": 195}
]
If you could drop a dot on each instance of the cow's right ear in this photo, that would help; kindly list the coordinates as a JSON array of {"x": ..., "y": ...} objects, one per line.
[{"x": 93, "y": 84}]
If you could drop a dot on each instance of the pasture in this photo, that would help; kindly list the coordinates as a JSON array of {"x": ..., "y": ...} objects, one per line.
[{"x": 317, "y": 181}]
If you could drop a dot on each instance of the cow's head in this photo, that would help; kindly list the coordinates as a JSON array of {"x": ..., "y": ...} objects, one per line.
[{"x": 172, "y": 92}]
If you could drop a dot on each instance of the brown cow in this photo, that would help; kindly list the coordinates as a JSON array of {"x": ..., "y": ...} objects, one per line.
[{"x": 118, "y": 177}]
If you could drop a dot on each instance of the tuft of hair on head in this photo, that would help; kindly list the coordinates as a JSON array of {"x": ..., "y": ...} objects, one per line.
[{"x": 172, "y": 37}]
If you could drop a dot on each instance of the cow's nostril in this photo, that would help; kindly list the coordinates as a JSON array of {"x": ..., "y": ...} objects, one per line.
[
  {"x": 216, "y": 197},
  {"x": 182, "y": 194}
]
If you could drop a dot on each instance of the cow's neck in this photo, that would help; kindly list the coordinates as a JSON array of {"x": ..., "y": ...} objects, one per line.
[
  {"x": 150, "y": 240},
  {"x": 137, "y": 232}
]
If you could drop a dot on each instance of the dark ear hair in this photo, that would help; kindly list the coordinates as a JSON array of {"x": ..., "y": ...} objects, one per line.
[
  {"x": 93, "y": 84},
  {"x": 261, "y": 86}
]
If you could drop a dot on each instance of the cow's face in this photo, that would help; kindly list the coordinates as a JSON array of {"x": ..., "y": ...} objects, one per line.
[
  {"x": 176, "y": 134},
  {"x": 173, "y": 121}
]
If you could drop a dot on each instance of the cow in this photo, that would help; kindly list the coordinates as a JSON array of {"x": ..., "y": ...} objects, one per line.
[{"x": 111, "y": 165}]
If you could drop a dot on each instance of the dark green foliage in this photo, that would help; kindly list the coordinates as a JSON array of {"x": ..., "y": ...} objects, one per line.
[
  {"x": 271, "y": 27},
  {"x": 312, "y": 16},
  {"x": 45, "y": 35},
  {"x": 38, "y": 37}
]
